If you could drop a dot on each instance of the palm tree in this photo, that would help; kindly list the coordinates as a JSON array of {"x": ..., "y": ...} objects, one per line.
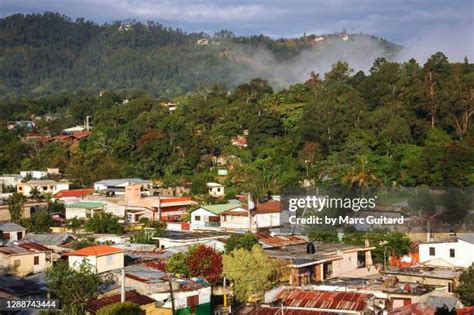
[{"x": 361, "y": 175}]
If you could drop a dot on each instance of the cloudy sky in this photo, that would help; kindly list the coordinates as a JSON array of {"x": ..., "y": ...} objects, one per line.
[{"x": 446, "y": 23}]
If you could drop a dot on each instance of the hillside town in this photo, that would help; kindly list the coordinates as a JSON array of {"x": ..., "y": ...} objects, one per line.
[{"x": 168, "y": 251}]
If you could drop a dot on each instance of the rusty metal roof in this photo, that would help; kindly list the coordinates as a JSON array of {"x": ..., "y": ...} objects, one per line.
[
  {"x": 262, "y": 310},
  {"x": 321, "y": 300},
  {"x": 132, "y": 296},
  {"x": 280, "y": 240}
]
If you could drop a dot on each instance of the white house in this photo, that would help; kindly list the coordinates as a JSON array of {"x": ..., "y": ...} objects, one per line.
[
  {"x": 208, "y": 217},
  {"x": 215, "y": 189},
  {"x": 12, "y": 231},
  {"x": 215, "y": 240},
  {"x": 117, "y": 186},
  {"x": 34, "y": 174},
  {"x": 84, "y": 209},
  {"x": 267, "y": 214},
  {"x": 42, "y": 185},
  {"x": 102, "y": 258},
  {"x": 458, "y": 252},
  {"x": 10, "y": 179}
]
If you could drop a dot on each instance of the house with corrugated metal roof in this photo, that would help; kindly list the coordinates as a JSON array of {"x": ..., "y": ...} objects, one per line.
[
  {"x": 191, "y": 296},
  {"x": 308, "y": 301},
  {"x": 11, "y": 232},
  {"x": 146, "y": 303},
  {"x": 24, "y": 258},
  {"x": 315, "y": 262}
]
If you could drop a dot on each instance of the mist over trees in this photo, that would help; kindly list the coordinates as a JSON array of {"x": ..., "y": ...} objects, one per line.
[{"x": 48, "y": 53}]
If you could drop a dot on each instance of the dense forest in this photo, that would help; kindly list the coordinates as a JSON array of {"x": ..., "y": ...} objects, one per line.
[
  {"x": 46, "y": 53},
  {"x": 401, "y": 124}
]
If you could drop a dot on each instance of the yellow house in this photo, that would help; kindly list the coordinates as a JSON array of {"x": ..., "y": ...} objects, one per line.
[
  {"x": 102, "y": 258},
  {"x": 24, "y": 259}
]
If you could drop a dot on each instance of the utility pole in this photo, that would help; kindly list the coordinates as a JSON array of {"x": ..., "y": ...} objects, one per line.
[
  {"x": 225, "y": 293},
  {"x": 159, "y": 207},
  {"x": 171, "y": 293},
  {"x": 122, "y": 289}
]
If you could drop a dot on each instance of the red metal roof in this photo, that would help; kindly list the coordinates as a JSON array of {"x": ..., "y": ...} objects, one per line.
[
  {"x": 95, "y": 250},
  {"x": 469, "y": 310},
  {"x": 23, "y": 248},
  {"x": 348, "y": 301},
  {"x": 277, "y": 311},
  {"x": 270, "y": 206},
  {"x": 156, "y": 264},
  {"x": 73, "y": 193},
  {"x": 132, "y": 296},
  {"x": 80, "y": 134},
  {"x": 413, "y": 309},
  {"x": 280, "y": 240}
]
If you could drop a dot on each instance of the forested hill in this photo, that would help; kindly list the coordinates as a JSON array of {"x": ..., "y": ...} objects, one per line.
[{"x": 47, "y": 53}]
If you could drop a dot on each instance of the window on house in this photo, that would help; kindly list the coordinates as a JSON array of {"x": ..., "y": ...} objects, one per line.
[
  {"x": 110, "y": 260},
  {"x": 452, "y": 253},
  {"x": 197, "y": 218},
  {"x": 218, "y": 190},
  {"x": 361, "y": 259},
  {"x": 450, "y": 287},
  {"x": 36, "y": 260},
  {"x": 16, "y": 262},
  {"x": 45, "y": 187},
  {"x": 20, "y": 188},
  {"x": 432, "y": 251}
]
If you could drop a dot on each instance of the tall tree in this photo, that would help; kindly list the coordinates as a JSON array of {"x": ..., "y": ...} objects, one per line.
[
  {"x": 73, "y": 287},
  {"x": 15, "y": 206},
  {"x": 252, "y": 272}
]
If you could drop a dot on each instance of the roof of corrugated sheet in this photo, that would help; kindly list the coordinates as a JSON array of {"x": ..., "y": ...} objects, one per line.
[
  {"x": 349, "y": 301},
  {"x": 131, "y": 296},
  {"x": 413, "y": 309},
  {"x": 280, "y": 240},
  {"x": 73, "y": 193},
  {"x": 261, "y": 310},
  {"x": 49, "y": 238},
  {"x": 23, "y": 248},
  {"x": 11, "y": 227}
]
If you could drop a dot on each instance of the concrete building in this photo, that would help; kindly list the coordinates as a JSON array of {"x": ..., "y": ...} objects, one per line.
[
  {"x": 191, "y": 296},
  {"x": 10, "y": 180},
  {"x": 208, "y": 217},
  {"x": 24, "y": 258},
  {"x": 314, "y": 262},
  {"x": 72, "y": 195},
  {"x": 215, "y": 240},
  {"x": 215, "y": 190},
  {"x": 457, "y": 252},
  {"x": 12, "y": 232},
  {"x": 116, "y": 187},
  {"x": 268, "y": 214},
  {"x": 439, "y": 276},
  {"x": 42, "y": 185},
  {"x": 29, "y": 209},
  {"x": 101, "y": 258},
  {"x": 169, "y": 209},
  {"x": 84, "y": 209}
]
